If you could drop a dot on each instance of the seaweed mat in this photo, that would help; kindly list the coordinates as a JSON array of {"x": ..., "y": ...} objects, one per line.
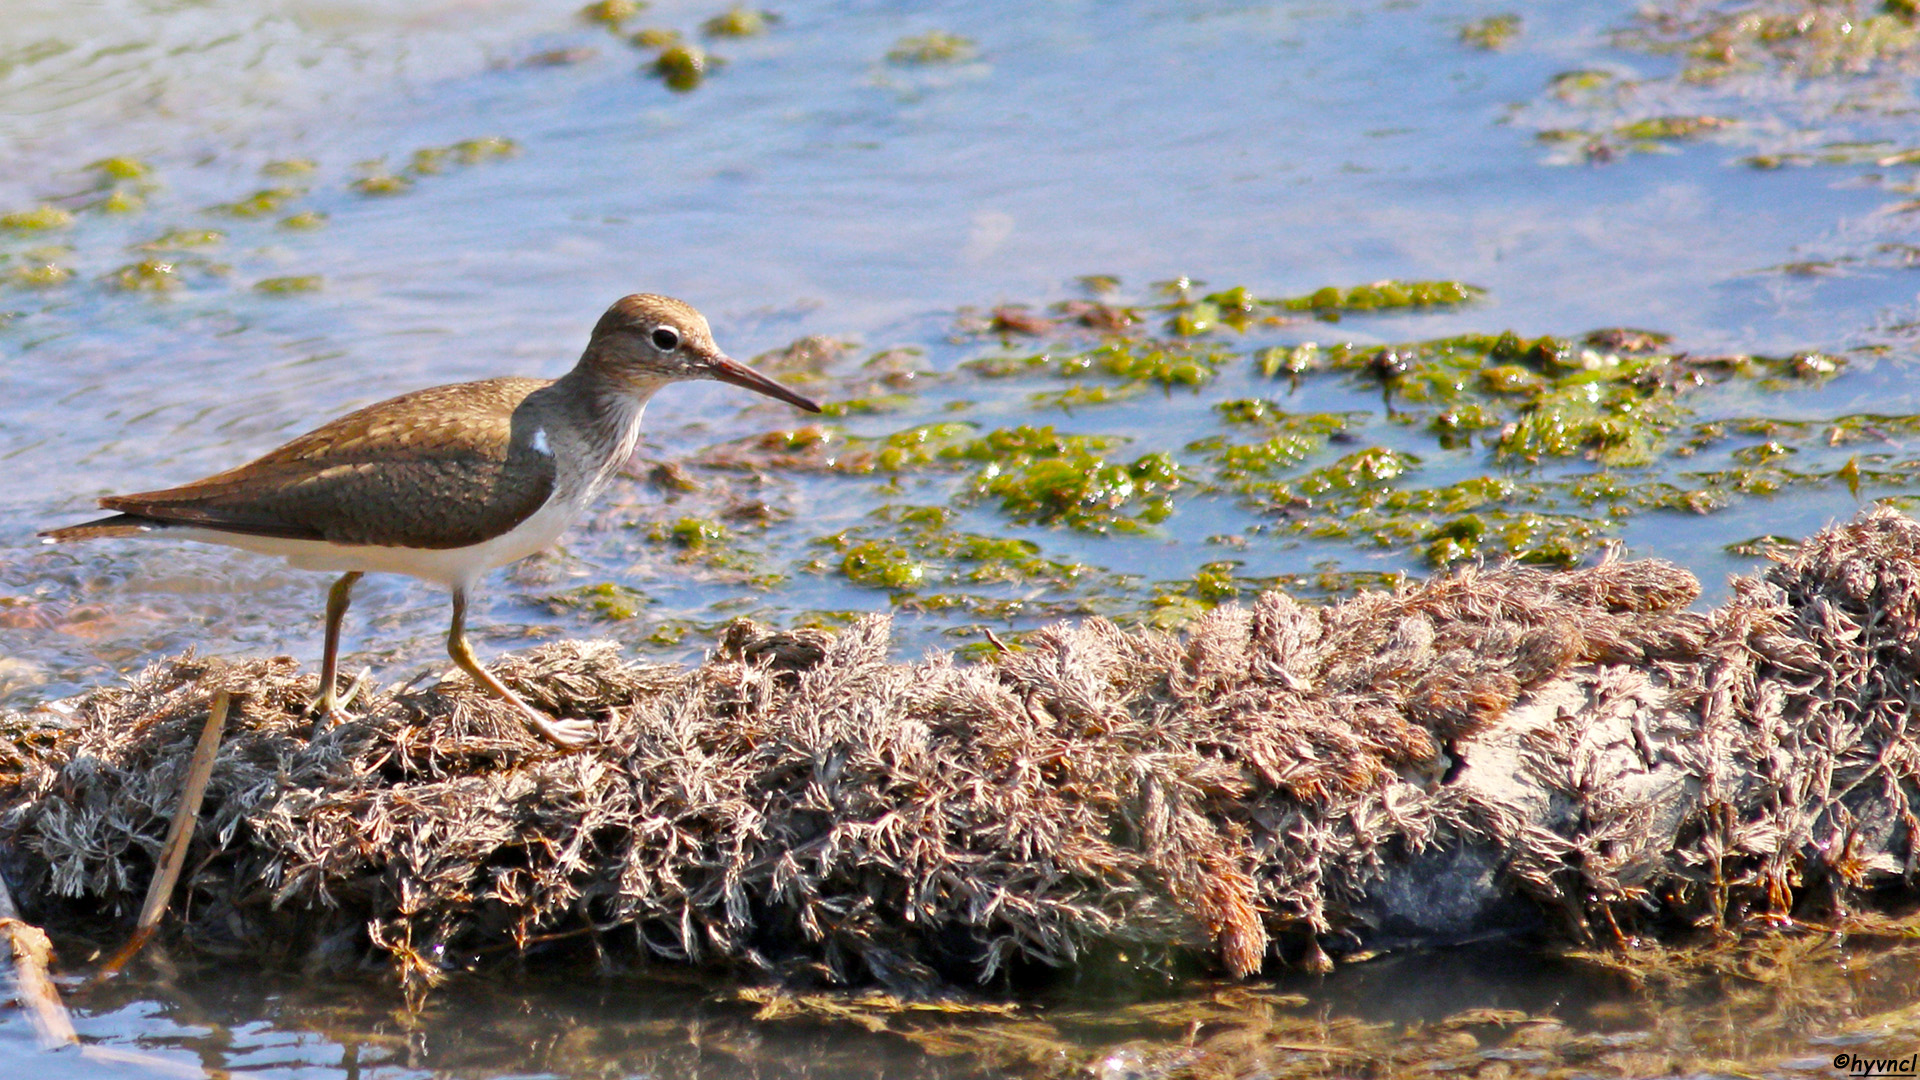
[{"x": 1261, "y": 790}]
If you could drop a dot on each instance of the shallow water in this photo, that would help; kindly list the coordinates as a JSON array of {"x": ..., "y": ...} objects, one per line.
[{"x": 812, "y": 186}]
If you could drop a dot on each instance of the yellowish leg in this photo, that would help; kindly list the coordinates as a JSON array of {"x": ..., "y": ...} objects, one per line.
[
  {"x": 565, "y": 734},
  {"x": 337, "y": 599}
]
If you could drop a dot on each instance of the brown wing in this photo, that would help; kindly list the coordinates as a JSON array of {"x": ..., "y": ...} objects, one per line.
[{"x": 439, "y": 468}]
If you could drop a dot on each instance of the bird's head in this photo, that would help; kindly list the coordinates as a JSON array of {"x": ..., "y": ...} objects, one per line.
[{"x": 644, "y": 340}]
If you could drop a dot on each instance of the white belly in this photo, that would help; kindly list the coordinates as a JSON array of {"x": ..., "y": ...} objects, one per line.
[{"x": 456, "y": 568}]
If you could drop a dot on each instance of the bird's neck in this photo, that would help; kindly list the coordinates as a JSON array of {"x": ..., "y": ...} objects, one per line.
[{"x": 602, "y": 418}]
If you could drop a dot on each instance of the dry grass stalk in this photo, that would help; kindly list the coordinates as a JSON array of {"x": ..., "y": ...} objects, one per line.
[
  {"x": 32, "y": 988},
  {"x": 1279, "y": 784},
  {"x": 173, "y": 854}
]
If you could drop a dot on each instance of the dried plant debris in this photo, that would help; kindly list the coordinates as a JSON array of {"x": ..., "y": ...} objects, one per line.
[{"x": 1570, "y": 751}]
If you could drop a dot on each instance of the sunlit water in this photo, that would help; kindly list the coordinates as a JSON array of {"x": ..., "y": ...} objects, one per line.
[{"x": 812, "y": 186}]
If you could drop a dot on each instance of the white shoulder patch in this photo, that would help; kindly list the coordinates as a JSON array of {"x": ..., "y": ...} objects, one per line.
[{"x": 539, "y": 442}]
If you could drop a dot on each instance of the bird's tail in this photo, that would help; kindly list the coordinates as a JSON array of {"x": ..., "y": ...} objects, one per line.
[{"x": 117, "y": 525}]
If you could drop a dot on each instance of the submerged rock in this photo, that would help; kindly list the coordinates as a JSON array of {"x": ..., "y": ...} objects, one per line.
[{"x": 1570, "y": 751}]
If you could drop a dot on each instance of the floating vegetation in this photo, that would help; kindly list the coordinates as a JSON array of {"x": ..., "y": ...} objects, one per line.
[
  {"x": 120, "y": 168},
  {"x": 147, "y": 275},
  {"x": 261, "y": 203},
  {"x": 932, "y": 47},
  {"x": 1481, "y": 446},
  {"x": 1756, "y": 58},
  {"x": 283, "y": 286},
  {"x": 1658, "y": 128},
  {"x": 738, "y": 22},
  {"x": 38, "y": 274},
  {"x": 683, "y": 66},
  {"x": 1066, "y": 480},
  {"x": 41, "y": 218},
  {"x": 382, "y": 184},
  {"x": 130, "y": 179},
  {"x": 689, "y": 532},
  {"x": 1382, "y": 296},
  {"x": 119, "y": 202},
  {"x": 184, "y": 240},
  {"x": 605, "y": 602},
  {"x": 656, "y": 38},
  {"x": 1811, "y": 38},
  {"x": 1492, "y": 32},
  {"x": 917, "y": 548},
  {"x": 611, "y": 12}
]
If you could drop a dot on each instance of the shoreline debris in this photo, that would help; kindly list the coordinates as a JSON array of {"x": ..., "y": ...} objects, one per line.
[{"x": 1570, "y": 752}]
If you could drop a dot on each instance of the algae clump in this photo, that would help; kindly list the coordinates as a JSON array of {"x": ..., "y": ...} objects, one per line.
[
  {"x": 683, "y": 67},
  {"x": 932, "y": 47}
]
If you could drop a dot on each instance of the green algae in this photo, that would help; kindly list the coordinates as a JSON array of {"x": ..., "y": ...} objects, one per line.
[
  {"x": 119, "y": 202},
  {"x": 261, "y": 203},
  {"x": 286, "y": 286},
  {"x": 1288, "y": 359},
  {"x": 605, "y": 602},
  {"x": 683, "y": 67},
  {"x": 611, "y": 12},
  {"x": 1383, "y": 296},
  {"x": 1758, "y": 58},
  {"x": 909, "y": 548},
  {"x": 1481, "y": 446},
  {"x": 184, "y": 240},
  {"x": 689, "y": 532},
  {"x": 382, "y": 184},
  {"x": 1078, "y": 397},
  {"x": 738, "y": 22},
  {"x": 1188, "y": 318},
  {"x": 429, "y": 161},
  {"x": 1658, "y": 128},
  {"x": 1006, "y": 367},
  {"x": 435, "y": 160},
  {"x": 932, "y": 47},
  {"x": 304, "y": 220},
  {"x": 289, "y": 167},
  {"x": 879, "y": 403},
  {"x": 38, "y": 274},
  {"x": 881, "y": 564},
  {"x": 1491, "y": 32},
  {"x": 1812, "y": 39},
  {"x": 486, "y": 148},
  {"x": 1043, "y": 477},
  {"x": 42, "y": 218},
  {"x": 148, "y": 275},
  {"x": 120, "y": 168},
  {"x": 656, "y": 38},
  {"x": 1170, "y": 364}
]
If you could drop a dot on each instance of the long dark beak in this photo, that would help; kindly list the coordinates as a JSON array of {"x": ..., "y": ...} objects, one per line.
[{"x": 732, "y": 371}]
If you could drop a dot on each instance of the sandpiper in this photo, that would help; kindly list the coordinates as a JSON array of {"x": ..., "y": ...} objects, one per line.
[{"x": 447, "y": 483}]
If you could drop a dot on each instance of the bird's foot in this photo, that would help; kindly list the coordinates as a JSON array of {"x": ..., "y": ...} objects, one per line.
[
  {"x": 327, "y": 707},
  {"x": 565, "y": 734}
]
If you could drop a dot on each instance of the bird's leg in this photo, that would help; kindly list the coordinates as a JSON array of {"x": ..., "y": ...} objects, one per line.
[
  {"x": 565, "y": 734},
  {"x": 337, "y": 599}
]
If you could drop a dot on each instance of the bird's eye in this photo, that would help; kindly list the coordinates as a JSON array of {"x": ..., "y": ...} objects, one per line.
[{"x": 666, "y": 339}]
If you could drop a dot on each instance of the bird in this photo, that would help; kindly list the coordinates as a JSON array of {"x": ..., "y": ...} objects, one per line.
[{"x": 447, "y": 483}]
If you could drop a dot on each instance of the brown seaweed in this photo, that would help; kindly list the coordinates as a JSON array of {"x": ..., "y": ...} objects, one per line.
[{"x": 1259, "y": 791}]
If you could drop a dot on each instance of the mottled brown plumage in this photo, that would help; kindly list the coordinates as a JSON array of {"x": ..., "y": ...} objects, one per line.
[
  {"x": 446, "y": 483},
  {"x": 384, "y": 475}
]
